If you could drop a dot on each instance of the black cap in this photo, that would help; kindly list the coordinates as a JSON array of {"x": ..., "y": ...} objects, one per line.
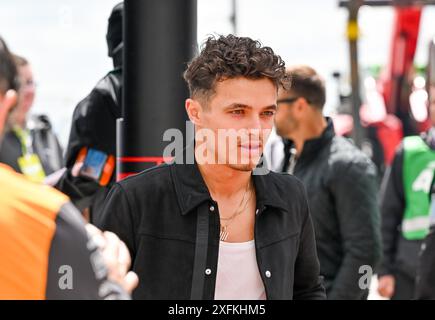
[{"x": 114, "y": 30}]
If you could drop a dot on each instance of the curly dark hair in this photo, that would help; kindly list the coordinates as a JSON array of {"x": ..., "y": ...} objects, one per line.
[{"x": 229, "y": 57}]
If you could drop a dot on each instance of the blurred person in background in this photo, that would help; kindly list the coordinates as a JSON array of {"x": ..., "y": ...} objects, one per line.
[
  {"x": 406, "y": 211},
  {"x": 46, "y": 251},
  {"x": 29, "y": 146},
  {"x": 425, "y": 281},
  {"x": 93, "y": 132},
  {"x": 341, "y": 183}
]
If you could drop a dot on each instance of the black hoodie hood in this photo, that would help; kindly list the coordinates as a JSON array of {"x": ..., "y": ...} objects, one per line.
[{"x": 114, "y": 35}]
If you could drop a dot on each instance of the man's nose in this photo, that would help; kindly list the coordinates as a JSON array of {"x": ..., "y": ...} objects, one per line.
[{"x": 255, "y": 122}]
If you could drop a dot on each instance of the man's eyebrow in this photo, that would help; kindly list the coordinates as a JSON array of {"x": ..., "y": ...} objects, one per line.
[
  {"x": 244, "y": 106},
  {"x": 237, "y": 106},
  {"x": 273, "y": 107}
]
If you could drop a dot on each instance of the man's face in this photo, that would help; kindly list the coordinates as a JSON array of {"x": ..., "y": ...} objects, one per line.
[
  {"x": 286, "y": 119},
  {"x": 27, "y": 95},
  {"x": 240, "y": 115}
]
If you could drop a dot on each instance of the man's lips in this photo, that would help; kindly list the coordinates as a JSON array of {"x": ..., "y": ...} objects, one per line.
[{"x": 251, "y": 146}]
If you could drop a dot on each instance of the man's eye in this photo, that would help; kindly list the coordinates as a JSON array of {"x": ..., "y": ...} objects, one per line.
[
  {"x": 237, "y": 112},
  {"x": 268, "y": 113}
]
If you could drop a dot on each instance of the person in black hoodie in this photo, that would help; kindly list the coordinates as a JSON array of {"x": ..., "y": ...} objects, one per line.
[
  {"x": 94, "y": 127},
  {"x": 341, "y": 183}
]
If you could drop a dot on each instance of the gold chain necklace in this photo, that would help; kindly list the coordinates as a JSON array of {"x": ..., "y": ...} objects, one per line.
[{"x": 224, "y": 229}]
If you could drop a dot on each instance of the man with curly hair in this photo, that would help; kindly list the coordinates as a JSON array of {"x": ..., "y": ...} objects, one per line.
[{"x": 215, "y": 229}]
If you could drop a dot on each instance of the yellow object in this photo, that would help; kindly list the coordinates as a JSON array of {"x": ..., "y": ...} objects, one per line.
[
  {"x": 353, "y": 30},
  {"x": 31, "y": 167},
  {"x": 30, "y": 164}
]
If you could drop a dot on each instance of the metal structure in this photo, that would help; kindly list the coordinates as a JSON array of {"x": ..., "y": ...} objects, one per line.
[
  {"x": 408, "y": 13},
  {"x": 233, "y": 17},
  {"x": 159, "y": 41}
]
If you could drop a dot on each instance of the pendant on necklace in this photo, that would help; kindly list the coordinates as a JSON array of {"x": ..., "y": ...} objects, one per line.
[{"x": 224, "y": 233}]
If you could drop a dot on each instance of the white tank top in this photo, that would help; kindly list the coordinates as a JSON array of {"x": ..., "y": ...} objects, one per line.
[{"x": 238, "y": 277}]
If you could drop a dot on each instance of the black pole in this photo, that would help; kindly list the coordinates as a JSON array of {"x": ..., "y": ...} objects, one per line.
[
  {"x": 431, "y": 70},
  {"x": 353, "y": 36},
  {"x": 234, "y": 16},
  {"x": 159, "y": 40}
]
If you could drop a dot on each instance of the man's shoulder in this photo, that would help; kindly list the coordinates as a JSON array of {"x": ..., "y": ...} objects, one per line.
[
  {"x": 284, "y": 191},
  {"x": 105, "y": 90},
  {"x": 284, "y": 184},
  {"x": 344, "y": 147},
  {"x": 17, "y": 190},
  {"x": 110, "y": 80},
  {"x": 283, "y": 179},
  {"x": 150, "y": 178},
  {"x": 154, "y": 179},
  {"x": 345, "y": 155}
]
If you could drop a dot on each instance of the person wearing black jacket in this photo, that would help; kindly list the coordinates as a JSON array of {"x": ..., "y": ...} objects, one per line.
[
  {"x": 405, "y": 213},
  {"x": 216, "y": 228},
  {"x": 341, "y": 183},
  {"x": 425, "y": 281},
  {"x": 42, "y": 141},
  {"x": 94, "y": 127}
]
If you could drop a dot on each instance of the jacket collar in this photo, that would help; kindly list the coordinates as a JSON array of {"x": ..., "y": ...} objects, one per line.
[
  {"x": 267, "y": 192},
  {"x": 312, "y": 146},
  {"x": 191, "y": 190}
]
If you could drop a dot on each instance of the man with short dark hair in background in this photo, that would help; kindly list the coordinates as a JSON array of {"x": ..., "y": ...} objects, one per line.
[{"x": 341, "y": 184}]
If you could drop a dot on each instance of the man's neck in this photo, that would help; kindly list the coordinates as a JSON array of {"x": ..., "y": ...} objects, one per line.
[
  {"x": 222, "y": 180},
  {"x": 308, "y": 131}
]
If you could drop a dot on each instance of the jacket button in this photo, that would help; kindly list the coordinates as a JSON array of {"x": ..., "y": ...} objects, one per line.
[
  {"x": 268, "y": 274},
  {"x": 208, "y": 272},
  {"x": 212, "y": 208},
  {"x": 257, "y": 211}
]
